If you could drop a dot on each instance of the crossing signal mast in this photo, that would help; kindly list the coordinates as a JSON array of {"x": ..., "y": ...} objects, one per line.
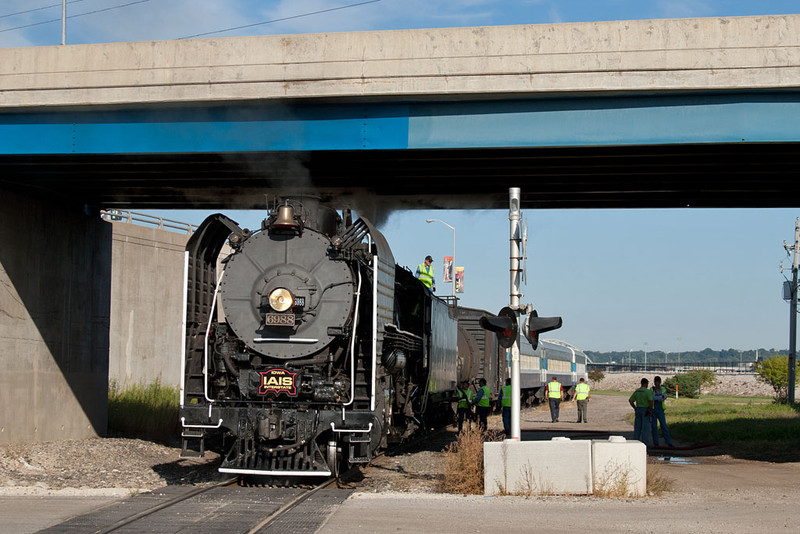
[
  {"x": 506, "y": 324},
  {"x": 792, "y": 294}
]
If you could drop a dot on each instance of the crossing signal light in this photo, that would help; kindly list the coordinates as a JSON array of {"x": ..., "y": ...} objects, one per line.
[
  {"x": 504, "y": 325},
  {"x": 535, "y": 325}
]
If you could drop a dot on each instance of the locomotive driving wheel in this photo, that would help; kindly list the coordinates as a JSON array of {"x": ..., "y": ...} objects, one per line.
[{"x": 334, "y": 458}]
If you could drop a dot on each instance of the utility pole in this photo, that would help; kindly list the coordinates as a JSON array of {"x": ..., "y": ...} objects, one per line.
[
  {"x": 63, "y": 22},
  {"x": 793, "y": 312}
]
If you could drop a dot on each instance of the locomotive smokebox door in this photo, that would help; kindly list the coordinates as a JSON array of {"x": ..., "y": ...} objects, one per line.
[{"x": 282, "y": 295}]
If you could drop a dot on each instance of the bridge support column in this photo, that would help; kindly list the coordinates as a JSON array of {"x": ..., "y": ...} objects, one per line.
[{"x": 55, "y": 283}]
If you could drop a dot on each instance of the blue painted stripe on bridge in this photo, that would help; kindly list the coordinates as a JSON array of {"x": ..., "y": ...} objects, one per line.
[
  {"x": 605, "y": 122},
  {"x": 226, "y": 129},
  {"x": 755, "y": 117}
]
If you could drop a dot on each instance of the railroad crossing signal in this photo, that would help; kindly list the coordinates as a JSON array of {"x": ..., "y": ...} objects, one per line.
[
  {"x": 505, "y": 326},
  {"x": 535, "y": 325}
]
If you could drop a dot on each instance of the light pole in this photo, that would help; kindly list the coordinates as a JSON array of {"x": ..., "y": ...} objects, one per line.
[
  {"x": 453, "y": 266},
  {"x": 645, "y": 356}
]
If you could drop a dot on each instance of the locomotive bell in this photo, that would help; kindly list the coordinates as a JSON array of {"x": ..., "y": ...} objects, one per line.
[{"x": 285, "y": 217}]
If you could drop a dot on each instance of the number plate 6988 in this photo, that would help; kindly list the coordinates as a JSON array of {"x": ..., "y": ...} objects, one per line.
[{"x": 279, "y": 319}]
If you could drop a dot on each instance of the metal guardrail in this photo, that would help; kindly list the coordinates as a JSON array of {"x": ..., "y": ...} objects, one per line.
[{"x": 143, "y": 219}]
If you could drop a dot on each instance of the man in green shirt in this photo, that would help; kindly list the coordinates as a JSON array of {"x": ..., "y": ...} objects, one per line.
[{"x": 642, "y": 403}]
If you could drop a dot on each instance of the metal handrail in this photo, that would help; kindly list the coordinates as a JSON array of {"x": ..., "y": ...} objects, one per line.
[{"x": 144, "y": 219}]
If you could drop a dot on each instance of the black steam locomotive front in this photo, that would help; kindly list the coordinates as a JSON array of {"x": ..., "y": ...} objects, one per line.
[{"x": 281, "y": 347}]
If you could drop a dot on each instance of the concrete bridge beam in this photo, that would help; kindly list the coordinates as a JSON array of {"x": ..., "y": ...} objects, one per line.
[{"x": 567, "y": 59}]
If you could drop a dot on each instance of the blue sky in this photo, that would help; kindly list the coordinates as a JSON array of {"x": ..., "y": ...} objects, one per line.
[{"x": 672, "y": 280}]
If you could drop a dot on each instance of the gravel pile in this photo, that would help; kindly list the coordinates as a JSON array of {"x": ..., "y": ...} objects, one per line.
[
  {"x": 117, "y": 466},
  {"x": 111, "y": 464},
  {"x": 727, "y": 384}
]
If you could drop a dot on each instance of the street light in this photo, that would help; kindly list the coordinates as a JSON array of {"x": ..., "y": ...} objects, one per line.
[
  {"x": 453, "y": 266},
  {"x": 645, "y": 356}
]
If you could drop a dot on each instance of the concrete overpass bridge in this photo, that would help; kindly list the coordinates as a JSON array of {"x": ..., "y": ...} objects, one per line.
[{"x": 666, "y": 113}]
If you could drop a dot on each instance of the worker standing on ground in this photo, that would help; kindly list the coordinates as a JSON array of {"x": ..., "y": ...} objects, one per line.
[
  {"x": 424, "y": 273},
  {"x": 555, "y": 394},
  {"x": 504, "y": 400},
  {"x": 659, "y": 399},
  {"x": 464, "y": 408},
  {"x": 582, "y": 394},
  {"x": 642, "y": 402},
  {"x": 482, "y": 402}
]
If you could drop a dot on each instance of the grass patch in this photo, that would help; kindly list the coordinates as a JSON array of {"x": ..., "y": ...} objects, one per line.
[
  {"x": 612, "y": 392},
  {"x": 750, "y": 427},
  {"x": 144, "y": 411}
]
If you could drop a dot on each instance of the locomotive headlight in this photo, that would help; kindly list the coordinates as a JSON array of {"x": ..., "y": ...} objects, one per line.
[{"x": 280, "y": 299}]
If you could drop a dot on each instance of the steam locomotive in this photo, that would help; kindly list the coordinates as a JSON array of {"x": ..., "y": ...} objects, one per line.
[{"x": 308, "y": 348}]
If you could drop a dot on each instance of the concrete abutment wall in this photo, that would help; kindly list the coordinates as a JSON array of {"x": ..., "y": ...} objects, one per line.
[
  {"x": 146, "y": 305},
  {"x": 55, "y": 283},
  {"x": 82, "y": 301}
]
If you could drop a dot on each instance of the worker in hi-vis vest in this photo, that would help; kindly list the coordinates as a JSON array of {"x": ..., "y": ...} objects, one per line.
[
  {"x": 555, "y": 394},
  {"x": 425, "y": 273},
  {"x": 464, "y": 408},
  {"x": 582, "y": 395},
  {"x": 504, "y": 400},
  {"x": 482, "y": 401}
]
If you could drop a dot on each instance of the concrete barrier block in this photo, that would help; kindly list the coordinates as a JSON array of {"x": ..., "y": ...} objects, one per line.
[
  {"x": 536, "y": 467},
  {"x": 619, "y": 467}
]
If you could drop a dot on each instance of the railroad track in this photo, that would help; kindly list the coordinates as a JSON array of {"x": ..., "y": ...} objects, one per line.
[
  {"x": 225, "y": 508},
  {"x": 230, "y": 506},
  {"x": 162, "y": 506}
]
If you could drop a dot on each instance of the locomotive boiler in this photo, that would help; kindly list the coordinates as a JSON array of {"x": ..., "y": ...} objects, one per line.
[{"x": 306, "y": 347}]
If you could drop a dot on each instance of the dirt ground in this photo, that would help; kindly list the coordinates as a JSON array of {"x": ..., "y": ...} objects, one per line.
[
  {"x": 708, "y": 492},
  {"x": 75, "y": 467}
]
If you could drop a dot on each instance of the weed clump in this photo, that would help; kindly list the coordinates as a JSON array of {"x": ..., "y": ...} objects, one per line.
[
  {"x": 463, "y": 470},
  {"x": 657, "y": 482}
]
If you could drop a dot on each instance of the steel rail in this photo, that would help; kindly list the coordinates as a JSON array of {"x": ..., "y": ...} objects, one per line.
[{"x": 175, "y": 500}]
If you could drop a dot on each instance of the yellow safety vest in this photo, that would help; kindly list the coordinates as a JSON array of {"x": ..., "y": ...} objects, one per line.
[
  {"x": 465, "y": 399},
  {"x": 582, "y": 391},
  {"x": 506, "y": 402},
  {"x": 426, "y": 275},
  {"x": 659, "y": 403},
  {"x": 554, "y": 390},
  {"x": 484, "y": 402}
]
